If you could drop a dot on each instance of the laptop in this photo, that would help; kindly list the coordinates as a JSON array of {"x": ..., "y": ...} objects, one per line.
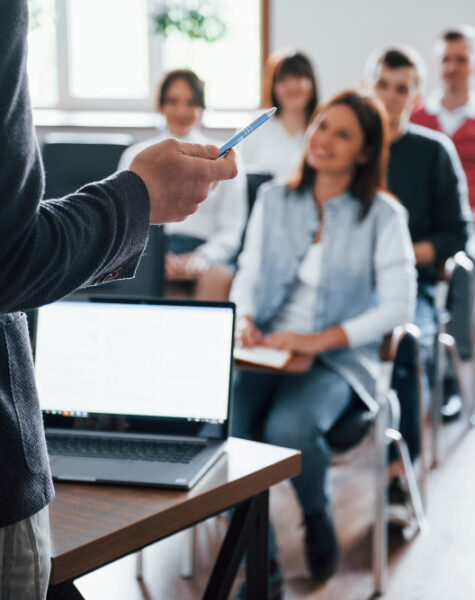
[{"x": 135, "y": 392}]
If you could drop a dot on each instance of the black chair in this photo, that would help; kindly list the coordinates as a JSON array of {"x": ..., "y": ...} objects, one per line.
[
  {"x": 254, "y": 180},
  {"x": 73, "y": 159},
  {"x": 454, "y": 305},
  {"x": 149, "y": 280}
]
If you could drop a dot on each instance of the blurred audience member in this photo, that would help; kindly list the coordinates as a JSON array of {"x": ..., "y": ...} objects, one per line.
[
  {"x": 451, "y": 108},
  {"x": 425, "y": 174},
  {"x": 289, "y": 84},
  {"x": 327, "y": 269},
  {"x": 203, "y": 246}
]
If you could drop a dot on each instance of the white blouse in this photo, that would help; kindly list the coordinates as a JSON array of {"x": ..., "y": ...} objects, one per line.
[
  {"x": 271, "y": 148},
  {"x": 220, "y": 219},
  {"x": 298, "y": 311}
]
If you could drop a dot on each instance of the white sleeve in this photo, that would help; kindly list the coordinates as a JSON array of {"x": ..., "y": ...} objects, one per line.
[
  {"x": 247, "y": 280},
  {"x": 250, "y": 150},
  {"x": 396, "y": 285},
  {"x": 229, "y": 220},
  {"x": 130, "y": 153}
]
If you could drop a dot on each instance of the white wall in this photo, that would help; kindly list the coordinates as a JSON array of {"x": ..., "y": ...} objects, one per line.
[{"x": 338, "y": 35}]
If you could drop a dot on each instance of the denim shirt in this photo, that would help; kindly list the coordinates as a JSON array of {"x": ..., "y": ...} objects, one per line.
[{"x": 367, "y": 282}]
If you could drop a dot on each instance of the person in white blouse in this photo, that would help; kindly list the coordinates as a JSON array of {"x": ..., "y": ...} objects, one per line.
[
  {"x": 289, "y": 84},
  {"x": 327, "y": 270},
  {"x": 201, "y": 248}
]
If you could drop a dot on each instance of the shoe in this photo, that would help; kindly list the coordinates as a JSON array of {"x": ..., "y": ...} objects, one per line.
[
  {"x": 276, "y": 583},
  {"x": 400, "y": 511},
  {"x": 321, "y": 545},
  {"x": 451, "y": 409}
]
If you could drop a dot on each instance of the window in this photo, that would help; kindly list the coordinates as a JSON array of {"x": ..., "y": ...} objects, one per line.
[
  {"x": 42, "y": 57},
  {"x": 103, "y": 54}
]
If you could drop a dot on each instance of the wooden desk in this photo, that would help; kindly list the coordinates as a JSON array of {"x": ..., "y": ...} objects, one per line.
[{"x": 93, "y": 525}]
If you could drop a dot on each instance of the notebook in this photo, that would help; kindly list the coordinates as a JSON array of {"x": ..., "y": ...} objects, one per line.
[
  {"x": 134, "y": 392},
  {"x": 263, "y": 356}
]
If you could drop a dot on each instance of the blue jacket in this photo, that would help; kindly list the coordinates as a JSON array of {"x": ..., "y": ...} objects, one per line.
[{"x": 367, "y": 282}]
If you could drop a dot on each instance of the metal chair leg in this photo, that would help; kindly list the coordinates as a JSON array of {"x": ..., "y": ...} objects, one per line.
[
  {"x": 437, "y": 398},
  {"x": 139, "y": 565},
  {"x": 380, "y": 532},
  {"x": 187, "y": 566},
  {"x": 464, "y": 375},
  {"x": 416, "y": 501}
]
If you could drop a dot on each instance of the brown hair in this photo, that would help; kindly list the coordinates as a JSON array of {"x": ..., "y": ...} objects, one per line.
[
  {"x": 370, "y": 176},
  {"x": 279, "y": 65},
  {"x": 196, "y": 85},
  {"x": 464, "y": 32},
  {"x": 395, "y": 57}
]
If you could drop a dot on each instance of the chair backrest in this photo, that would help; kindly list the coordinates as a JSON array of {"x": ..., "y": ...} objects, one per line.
[
  {"x": 254, "y": 180},
  {"x": 454, "y": 300},
  {"x": 149, "y": 280},
  {"x": 73, "y": 159}
]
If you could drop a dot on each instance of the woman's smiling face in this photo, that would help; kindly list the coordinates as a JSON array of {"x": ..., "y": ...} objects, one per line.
[{"x": 336, "y": 141}]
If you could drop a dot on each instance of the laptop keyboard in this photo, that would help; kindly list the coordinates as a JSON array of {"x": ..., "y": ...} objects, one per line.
[{"x": 159, "y": 451}]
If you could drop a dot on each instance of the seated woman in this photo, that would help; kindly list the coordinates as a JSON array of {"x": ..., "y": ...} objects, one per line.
[
  {"x": 327, "y": 269},
  {"x": 289, "y": 84},
  {"x": 202, "y": 247}
]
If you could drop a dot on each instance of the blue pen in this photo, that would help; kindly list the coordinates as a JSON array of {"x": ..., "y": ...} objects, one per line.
[{"x": 240, "y": 135}]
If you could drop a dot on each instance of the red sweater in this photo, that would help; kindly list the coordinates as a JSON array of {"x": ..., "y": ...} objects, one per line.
[{"x": 464, "y": 140}]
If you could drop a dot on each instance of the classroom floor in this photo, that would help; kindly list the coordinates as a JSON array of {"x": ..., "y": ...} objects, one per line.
[{"x": 436, "y": 565}]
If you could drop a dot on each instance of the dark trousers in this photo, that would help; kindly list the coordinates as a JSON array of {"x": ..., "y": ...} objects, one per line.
[{"x": 405, "y": 376}]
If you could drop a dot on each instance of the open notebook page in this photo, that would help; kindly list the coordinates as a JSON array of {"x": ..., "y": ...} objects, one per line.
[{"x": 260, "y": 355}]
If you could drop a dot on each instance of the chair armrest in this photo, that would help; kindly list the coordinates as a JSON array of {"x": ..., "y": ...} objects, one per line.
[
  {"x": 390, "y": 344},
  {"x": 446, "y": 266}
]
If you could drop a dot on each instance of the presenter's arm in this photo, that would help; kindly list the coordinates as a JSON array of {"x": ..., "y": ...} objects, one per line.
[{"x": 50, "y": 248}]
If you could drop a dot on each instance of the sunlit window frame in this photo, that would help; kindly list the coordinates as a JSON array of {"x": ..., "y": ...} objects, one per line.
[{"x": 66, "y": 101}]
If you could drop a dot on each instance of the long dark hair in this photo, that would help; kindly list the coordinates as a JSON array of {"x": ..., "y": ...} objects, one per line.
[
  {"x": 370, "y": 176},
  {"x": 279, "y": 65},
  {"x": 196, "y": 86}
]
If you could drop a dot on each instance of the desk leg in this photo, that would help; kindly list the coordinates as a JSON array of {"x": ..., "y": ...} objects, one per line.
[
  {"x": 64, "y": 591},
  {"x": 248, "y": 532}
]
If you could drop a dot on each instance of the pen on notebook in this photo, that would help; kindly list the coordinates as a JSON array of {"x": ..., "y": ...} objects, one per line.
[{"x": 240, "y": 135}]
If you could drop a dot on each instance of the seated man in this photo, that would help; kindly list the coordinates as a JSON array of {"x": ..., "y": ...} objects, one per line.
[
  {"x": 425, "y": 173},
  {"x": 451, "y": 109}
]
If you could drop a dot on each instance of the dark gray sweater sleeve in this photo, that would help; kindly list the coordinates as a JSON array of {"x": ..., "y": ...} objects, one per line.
[
  {"x": 48, "y": 248},
  {"x": 451, "y": 210}
]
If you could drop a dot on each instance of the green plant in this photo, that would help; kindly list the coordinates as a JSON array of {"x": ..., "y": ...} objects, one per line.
[
  {"x": 36, "y": 11},
  {"x": 197, "y": 19}
]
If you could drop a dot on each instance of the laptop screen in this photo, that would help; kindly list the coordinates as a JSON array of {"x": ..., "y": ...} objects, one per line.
[{"x": 167, "y": 360}]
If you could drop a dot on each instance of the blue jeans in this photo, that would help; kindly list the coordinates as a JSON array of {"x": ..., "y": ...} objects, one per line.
[
  {"x": 295, "y": 411},
  {"x": 182, "y": 244}
]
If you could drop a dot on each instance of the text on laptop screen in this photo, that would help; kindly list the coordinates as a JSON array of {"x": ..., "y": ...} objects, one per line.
[{"x": 134, "y": 359}]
